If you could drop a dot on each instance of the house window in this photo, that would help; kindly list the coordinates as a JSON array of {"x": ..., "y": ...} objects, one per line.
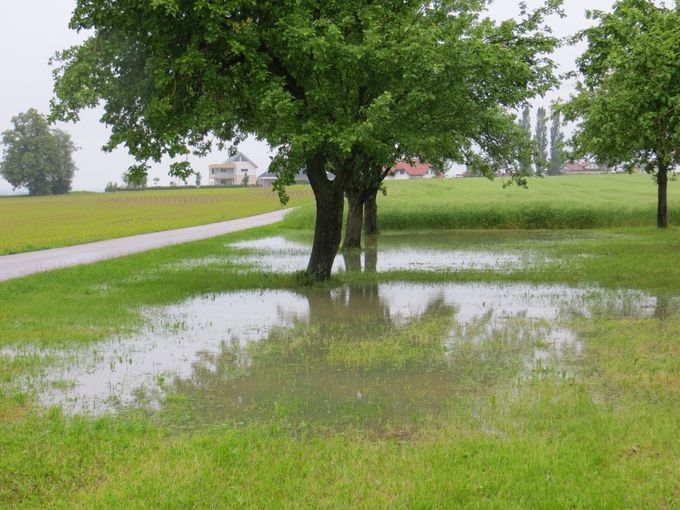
[{"x": 244, "y": 170}]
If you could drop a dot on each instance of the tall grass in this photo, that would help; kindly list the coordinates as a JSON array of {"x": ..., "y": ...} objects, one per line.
[{"x": 565, "y": 202}]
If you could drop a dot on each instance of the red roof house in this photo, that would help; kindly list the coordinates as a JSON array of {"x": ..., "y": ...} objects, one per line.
[{"x": 417, "y": 170}]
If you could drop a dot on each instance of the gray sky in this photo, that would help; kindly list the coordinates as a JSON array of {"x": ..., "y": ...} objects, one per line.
[{"x": 31, "y": 31}]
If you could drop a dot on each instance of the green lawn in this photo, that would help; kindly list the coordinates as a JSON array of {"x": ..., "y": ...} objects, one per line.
[{"x": 32, "y": 223}]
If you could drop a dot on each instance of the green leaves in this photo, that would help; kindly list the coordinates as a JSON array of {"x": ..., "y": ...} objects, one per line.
[
  {"x": 37, "y": 157},
  {"x": 631, "y": 86}
]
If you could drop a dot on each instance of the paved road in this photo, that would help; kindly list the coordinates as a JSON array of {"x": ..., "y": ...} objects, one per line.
[{"x": 22, "y": 264}]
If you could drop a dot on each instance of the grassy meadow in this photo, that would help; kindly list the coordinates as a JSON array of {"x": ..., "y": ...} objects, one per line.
[
  {"x": 600, "y": 433},
  {"x": 33, "y": 223},
  {"x": 562, "y": 202}
]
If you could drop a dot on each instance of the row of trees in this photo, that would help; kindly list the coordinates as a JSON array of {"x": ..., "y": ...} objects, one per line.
[
  {"x": 548, "y": 157},
  {"x": 37, "y": 157}
]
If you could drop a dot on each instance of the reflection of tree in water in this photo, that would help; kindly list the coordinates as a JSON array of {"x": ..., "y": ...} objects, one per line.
[
  {"x": 666, "y": 306},
  {"x": 352, "y": 256},
  {"x": 352, "y": 365}
]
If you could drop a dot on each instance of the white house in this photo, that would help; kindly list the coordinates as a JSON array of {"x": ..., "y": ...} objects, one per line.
[
  {"x": 233, "y": 171},
  {"x": 418, "y": 170}
]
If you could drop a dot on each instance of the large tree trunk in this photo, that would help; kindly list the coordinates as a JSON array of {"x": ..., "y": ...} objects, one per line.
[
  {"x": 371, "y": 214},
  {"x": 330, "y": 202},
  {"x": 355, "y": 220},
  {"x": 327, "y": 232},
  {"x": 662, "y": 203}
]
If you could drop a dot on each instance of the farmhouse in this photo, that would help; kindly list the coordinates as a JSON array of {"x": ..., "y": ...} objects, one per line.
[
  {"x": 583, "y": 167},
  {"x": 233, "y": 172},
  {"x": 418, "y": 170}
]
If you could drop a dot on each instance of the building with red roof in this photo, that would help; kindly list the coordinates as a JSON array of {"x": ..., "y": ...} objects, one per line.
[{"x": 417, "y": 170}]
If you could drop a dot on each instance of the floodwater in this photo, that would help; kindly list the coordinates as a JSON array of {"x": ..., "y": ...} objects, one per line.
[
  {"x": 376, "y": 356},
  {"x": 400, "y": 252}
]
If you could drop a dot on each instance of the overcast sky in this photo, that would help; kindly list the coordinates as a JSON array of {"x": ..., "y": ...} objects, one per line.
[{"x": 31, "y": 31}]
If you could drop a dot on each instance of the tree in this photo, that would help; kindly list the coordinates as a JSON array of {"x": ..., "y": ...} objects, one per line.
[
  {"x": 481, "y": 133},
  {"x": 627, "y": 101},
  {"x": 198, "y": 179},
  {"x": 329, "y": 84},
  {"x": 556, "y": 144},
  {"x": 134, "y": 180},
  {"x": 541, "y": 141},
  {"x": 37, "y": 157},
  {"x": 525, "y": 123}
]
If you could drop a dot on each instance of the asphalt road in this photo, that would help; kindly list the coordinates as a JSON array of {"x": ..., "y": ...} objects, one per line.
[{"x": 22, "y": 264}]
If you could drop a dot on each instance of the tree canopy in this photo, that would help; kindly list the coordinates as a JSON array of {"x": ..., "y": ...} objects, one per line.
[
  {"x": 37, "y": 157},
  {"x": 628, "y": 102},
  {"x": 332, "y": 85}
]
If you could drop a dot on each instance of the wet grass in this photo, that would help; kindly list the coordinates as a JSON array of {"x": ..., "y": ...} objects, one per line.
[
  {"x": 602, "y": 436},
  {"x": 562, "y": 202},
  {"x": 33, "y": 223}
]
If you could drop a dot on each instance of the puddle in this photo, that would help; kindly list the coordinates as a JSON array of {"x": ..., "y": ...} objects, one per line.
[
  {"x": 395, "y": 253},
  {"x": 371, "y": 356}
]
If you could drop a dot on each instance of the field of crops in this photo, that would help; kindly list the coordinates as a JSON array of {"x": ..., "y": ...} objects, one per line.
[
  {"x": 31, "y": 223},
  {"x": 563, "y": 202}
]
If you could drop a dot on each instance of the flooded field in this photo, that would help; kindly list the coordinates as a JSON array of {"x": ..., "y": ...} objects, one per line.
[
  {"x": 396, "y": 252},
  {"x": 374, "y": 356}
]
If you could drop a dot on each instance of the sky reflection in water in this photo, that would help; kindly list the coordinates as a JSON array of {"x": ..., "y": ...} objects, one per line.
[{"x": 242, "y": 356}]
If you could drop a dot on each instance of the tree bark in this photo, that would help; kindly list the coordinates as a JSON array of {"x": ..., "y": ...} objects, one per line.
[
  {"x": 662, "y": 203},
  {"x": 355, "y": 220},
  {"x": 327, "y": 233},
  {"x": 371, "y": 214},
  {"x": 330, "y": 202}
]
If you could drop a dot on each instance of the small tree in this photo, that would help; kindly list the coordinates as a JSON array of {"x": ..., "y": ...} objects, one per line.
[
  {"x": 541, "y": 141},
  {"x": 245, "y": 180},
  {"x": 556, "y": 144},
  {"x": 37, "y": 157},
  {"x": 628, "y": 100},
  {"x": 135, "y": 180},
  {"x": 198, "y": 179}
]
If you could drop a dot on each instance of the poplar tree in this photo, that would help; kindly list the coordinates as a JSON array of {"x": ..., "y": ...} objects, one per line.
[
  {"x": 541, "y": 141},
  {"x": 556, "y": 144}
]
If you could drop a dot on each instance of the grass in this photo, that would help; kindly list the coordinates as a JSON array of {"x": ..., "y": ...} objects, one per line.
[
  {"x": 562, "y": 202},
  {"x": 33, "y": 223},
  {"x": 602, "y": 436}
]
